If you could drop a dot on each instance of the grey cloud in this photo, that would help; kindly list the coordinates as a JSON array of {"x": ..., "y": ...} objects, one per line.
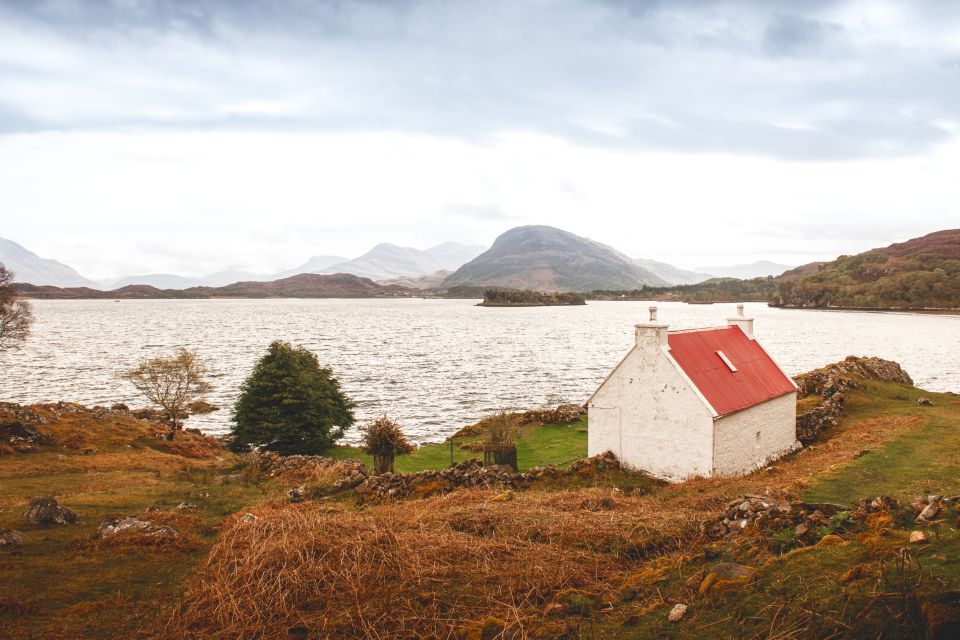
[
  {"x": 774, "y": 78},
  {"x": 792, "y": 35}
]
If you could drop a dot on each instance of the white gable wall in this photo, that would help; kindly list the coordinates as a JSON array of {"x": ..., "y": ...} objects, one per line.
[
  {"x": 648, "y": 414},
  {"x": 738, "y": 449}
]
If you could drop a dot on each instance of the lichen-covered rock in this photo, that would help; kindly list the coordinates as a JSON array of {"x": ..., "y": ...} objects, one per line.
[
  {"x": 47, "y": 511},
  {"x": 113, "y": 526},
  {"x": 11, "y": 538},
  {"x": 133, "y": 525}
]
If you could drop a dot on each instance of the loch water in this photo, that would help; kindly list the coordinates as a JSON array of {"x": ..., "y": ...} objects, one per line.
[{"x": 433, "y": 365}]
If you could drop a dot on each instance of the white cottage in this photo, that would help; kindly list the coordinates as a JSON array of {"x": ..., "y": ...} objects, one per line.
[{"x": 699, "y": 402}]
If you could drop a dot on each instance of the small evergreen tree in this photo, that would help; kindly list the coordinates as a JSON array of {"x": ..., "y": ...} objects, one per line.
[{"x": 290, "y": 404}]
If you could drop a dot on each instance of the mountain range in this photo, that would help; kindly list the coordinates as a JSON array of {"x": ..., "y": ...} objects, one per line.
[
  {"x": 388, "y": 261},
  {"x": 537, "y": 257},
  {"x": 29, "y": 267}
]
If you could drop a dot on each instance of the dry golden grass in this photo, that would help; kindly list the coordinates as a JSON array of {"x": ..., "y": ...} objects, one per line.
[
  {"x": 434, "y": 568},
  {"x": 440, "y": 567}
]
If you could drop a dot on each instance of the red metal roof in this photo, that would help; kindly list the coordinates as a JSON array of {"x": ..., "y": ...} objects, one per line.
[{"x": 757, "y": 377}]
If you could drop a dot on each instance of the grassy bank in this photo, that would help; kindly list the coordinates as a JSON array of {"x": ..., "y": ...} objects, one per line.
[{"x": 556, "y": 444}]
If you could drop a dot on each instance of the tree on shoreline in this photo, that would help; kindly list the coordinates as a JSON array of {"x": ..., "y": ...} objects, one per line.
[
  {"x": 290, "y": 404},
  {"x": 171, "y": 382},
  {"x": 16, "y": 314}
]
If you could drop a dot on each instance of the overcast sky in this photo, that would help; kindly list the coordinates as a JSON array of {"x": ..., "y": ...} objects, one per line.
[{"x": 142, "y": 136}]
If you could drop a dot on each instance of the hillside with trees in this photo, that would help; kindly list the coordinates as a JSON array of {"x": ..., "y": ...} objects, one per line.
[{"x": 923, "y": 273}]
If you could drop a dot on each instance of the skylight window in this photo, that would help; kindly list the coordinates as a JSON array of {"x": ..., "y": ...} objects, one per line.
[{"x": 726, "y": 361}]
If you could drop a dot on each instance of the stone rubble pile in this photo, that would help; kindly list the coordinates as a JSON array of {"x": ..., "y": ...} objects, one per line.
[
  {"x": 931, "y": 508},
  {"x": 831, "y": 382},
  {"x": 762, "y": 512},
  {"x": 751, "y": 511},
  {"x": 274, "y": 465},
  {"x": 18, "y": 428},
  {"x": 472, "y": 473}
]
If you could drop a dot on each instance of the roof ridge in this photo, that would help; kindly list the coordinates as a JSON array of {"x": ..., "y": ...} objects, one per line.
[{"x": 696, "y": 329}]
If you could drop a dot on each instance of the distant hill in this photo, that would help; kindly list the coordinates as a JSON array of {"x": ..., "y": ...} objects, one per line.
[
  {"x": 453, "y": 255},
  {"x": 429, "y": 281},
  {"x": 316, "y": 264},
  {"x": 388, "y": 261},
  {"x": 670, "y": 273},
  {"x": 923, "y": 273},
  {"x": 542, "y": 258},
  {"x": 306, "y": 285},
  {"x": 758, "y": 269},
  {"x": 158, "y": 280},
  {"x": 29, "y": 267},
  {"x": 171, "y": 281}
]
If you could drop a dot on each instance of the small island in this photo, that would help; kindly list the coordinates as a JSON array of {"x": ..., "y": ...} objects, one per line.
[{"x": 525, "y": 298}]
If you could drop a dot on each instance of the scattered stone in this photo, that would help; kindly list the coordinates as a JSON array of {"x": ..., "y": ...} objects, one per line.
[
  {"x": 925, "y": 401},
  {"x": 930, "y": 512},
  {"x": 918, "y": 537},
  {"x": 297, "y": 494},
  {"x": 506, "y": 496},
  {"x": 677, "y": 613},
  {"x": 47, "y": 511},
  {"x": 11, "y": 538},
  {"x": 248, "y": 517},
  {"x": 113, "y": 526},
  {"x": 186, "y": 506},
  {"x": 554, "y": 609}
]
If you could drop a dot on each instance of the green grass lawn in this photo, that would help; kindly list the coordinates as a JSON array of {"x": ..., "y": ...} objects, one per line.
[
  {"x": 921, "y": 461},
  {"x": 556, "y": 444}
]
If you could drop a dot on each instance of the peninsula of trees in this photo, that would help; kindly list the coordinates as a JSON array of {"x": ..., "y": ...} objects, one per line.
[{"x": 516, "y": 298}]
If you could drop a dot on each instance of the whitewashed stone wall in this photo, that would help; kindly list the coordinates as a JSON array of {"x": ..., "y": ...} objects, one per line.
[
  {"x": 754, "y": 437},
  {"x": 650, "y": 417}
]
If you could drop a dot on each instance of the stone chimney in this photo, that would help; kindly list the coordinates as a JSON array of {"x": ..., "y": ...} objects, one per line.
[
  {"x": 745, "y": 324},
  {"x": 651, "y": 335}
]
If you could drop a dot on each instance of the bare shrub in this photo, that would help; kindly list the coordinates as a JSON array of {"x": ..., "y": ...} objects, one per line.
[
  {"x": 172, "y": 382},
  {"x": 384, "y": 440},
  {"x": 16, "y": 314}
]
